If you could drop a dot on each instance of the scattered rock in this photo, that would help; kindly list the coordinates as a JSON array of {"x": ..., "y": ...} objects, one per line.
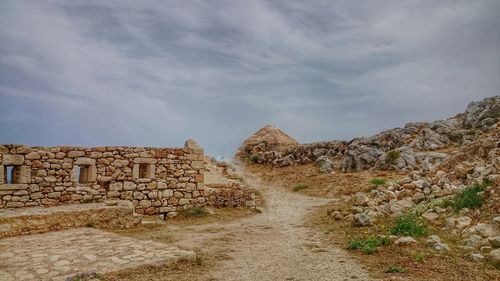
[
  {"x": 430, "y": 216},
  {"x": 494, "y": 257},
  {"x": 363, "y": 219},
  {"x": 360, "y": 199},
  {"x": 494, "y": 241},
  {"x": 407, "y": 240},
  {"x": 485, "y": 230},
  {"x": 433, "y": 239},
  {"x": 441, "y": 247},
  {"x": 496, "y": 223},
  {"x": 473, "y": 241},
  {"x": 477, "y": 257},
  {"x": 325, "y": 164}
]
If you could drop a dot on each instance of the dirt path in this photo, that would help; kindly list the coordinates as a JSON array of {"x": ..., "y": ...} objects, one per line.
[
  {"x": 274, "y": 245},
  {"x": 278, "y": 245}
]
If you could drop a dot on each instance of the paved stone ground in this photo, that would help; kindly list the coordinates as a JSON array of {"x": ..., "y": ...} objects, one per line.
[{"x": 59, "y": 255}]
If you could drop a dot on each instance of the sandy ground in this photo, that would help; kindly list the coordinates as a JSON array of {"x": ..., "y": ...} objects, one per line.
[{"x": 277, "y": 244}]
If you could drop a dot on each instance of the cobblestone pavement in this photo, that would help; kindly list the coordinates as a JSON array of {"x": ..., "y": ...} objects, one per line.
[{"x": 59, "y": 255}]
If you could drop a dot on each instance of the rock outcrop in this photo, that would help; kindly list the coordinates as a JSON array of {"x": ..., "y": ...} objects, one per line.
[{"x": 416, "y": 146}]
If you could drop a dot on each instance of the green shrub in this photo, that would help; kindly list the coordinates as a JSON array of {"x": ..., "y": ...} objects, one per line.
[
  {"x": 90, "y": 224},
  {"x": 198, "y": 211},
  {"x": 467, "y": 198},
  {"x": 395, "y": 269},
  {"x": 392, "y": 156},
  {"x": 368, "y": 245},
  {"x": 418, "y": 256},
  {"x": 408, "y": 225},
  {"x": 377, "y": 182},
  {"x": 299, "y": 186},
  {"x": 254, "y": 158}
]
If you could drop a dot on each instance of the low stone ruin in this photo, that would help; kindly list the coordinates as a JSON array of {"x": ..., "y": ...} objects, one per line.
[{"x": 157, "y": 181}]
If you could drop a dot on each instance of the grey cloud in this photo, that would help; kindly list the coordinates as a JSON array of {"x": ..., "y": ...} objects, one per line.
[{"x": 156, "y": 73}]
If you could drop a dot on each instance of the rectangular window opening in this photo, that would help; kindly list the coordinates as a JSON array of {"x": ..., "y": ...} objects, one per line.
[
  {"x": 83, "y": 174},
  {"x": 144, "y": 171},
  {"x": 11, "y": 174}
]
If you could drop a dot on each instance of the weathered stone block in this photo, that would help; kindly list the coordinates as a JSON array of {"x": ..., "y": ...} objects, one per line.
[
  {"x": 12, "y": 159},
  {"x": 116, "y": 186},
  {"x": 128, "y": 185},
  {"x": 197, "y": 164},
  {"x": 145, "y": 203},
  {"x": 184, "y": 201},
  {"x": 167, "y": 193},
  {"x": 76, "y": 153},
  {"x": 141, "y": 160},
  {"x": 32, "y": 156},
  {"x": 54, "y": 194},
  {"x": 83, "y": 161},
  {"x": 15, "y": 204}
]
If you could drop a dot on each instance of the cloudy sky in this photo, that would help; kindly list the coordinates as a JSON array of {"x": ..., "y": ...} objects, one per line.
[{"x": 156, "y": 73}]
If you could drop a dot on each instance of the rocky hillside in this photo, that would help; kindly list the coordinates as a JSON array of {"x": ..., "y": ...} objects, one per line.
[
  {"x": 416, "y": 146},
  {"x": 448, "y": 177}
]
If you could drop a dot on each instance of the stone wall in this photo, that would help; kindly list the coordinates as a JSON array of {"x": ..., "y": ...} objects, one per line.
[
  {"x": 302, "y": 153},
  {"x": 17, "y": 221},
  {"x": 231, "y": 194},
  {"x": 155, "y": 180}
]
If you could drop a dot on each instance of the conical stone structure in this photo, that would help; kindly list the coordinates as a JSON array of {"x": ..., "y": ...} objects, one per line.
[{"x": 268, "y": 138}]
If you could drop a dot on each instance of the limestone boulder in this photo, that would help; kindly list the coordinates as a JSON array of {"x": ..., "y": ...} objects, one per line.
[{"x": 482, "y": 114}]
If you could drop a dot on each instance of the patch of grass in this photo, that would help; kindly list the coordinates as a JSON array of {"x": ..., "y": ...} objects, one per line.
[
  {"x": 377, "y": 182},
  {"x": 395, "y": 269},
  {"x": 197, "y": 212},
  {"x": 368, "y": 245},
  {"x": 418, "y": 256},
  {"x": 408, "y": 225},
  {"x": 199, "y": 260},
  {"x": 467, "y": 198},
  {"x": 392, "y": 156},
  {"x": 299, "y": 186},
  {"x": 258, "y": 211}
]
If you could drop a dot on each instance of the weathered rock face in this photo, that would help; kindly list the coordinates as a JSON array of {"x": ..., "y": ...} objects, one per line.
[
  {"x": 482, "y": 114},
  {"x": 268, "y": 138},
  {"x": 325, "y": 164}
]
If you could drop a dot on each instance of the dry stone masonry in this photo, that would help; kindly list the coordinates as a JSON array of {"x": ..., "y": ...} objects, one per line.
[{"x": 156, "y": 180}]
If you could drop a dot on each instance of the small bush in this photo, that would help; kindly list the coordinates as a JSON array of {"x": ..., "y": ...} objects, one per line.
[
  {"x": 392, "y": 156},
  {"x": 85, "y": 277},
  {"x": 377, "y": 182},
  {"x": 408, "y": 225},
  {"x": 368, "y": 245},
  {"x": 254, "y": 158},
  {"x": 199, "y": 260},
  {"x": 395, "y": 269},
  {"x": 198, "y": 211},
  {"x": 418, "y": 256},
  {"x": 467, "y": 198},
  {"x": 299, "y": 186},
  {"x": 90, "y": 224}
]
